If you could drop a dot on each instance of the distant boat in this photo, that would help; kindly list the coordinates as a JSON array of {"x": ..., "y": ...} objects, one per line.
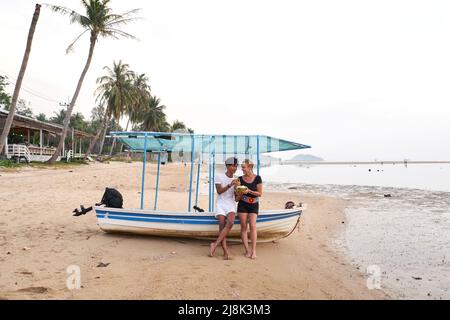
[{"x": 271, "y": 224}]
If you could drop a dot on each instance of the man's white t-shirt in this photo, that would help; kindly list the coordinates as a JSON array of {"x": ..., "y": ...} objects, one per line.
[{"x": 227, "y": 196}]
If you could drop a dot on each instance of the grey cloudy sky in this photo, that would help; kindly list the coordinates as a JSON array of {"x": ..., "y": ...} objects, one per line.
[{"x": 356, "y": 80}]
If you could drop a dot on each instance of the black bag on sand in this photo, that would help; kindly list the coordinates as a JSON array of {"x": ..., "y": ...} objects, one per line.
[{"x": 112, "y": 198}]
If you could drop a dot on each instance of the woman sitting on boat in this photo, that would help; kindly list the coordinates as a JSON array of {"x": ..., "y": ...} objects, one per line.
[{"x": 248, "y": 205}]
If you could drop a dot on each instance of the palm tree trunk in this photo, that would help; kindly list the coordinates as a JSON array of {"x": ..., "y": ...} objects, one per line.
[
  {"x": 126, "y": 129},
  {"x": 112, "y": 146},
  {"x": 97, "y": 135},
  {"x": 103, "y": 141},
  {"x": 12, "y": 110},
  {"x": 74, "y": 99}
]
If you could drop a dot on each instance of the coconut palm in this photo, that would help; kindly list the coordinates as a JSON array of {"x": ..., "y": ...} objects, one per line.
[
  {"x": 152, "y": 116},
  {"x": 99, "y": 21},
  {"x": 178, "y": 126},
  {"x": 141, "y": 97},
  {"x": 115, "y": 91},
  {"x": 15, "y": 97}
]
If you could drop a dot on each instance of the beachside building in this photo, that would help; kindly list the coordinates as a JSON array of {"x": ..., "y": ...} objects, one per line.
[{"x": 34, "y": 140}]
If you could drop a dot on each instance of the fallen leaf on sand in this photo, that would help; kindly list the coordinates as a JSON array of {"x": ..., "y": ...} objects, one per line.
[
  {"x": 102, "y": 265},
  {"x": 35, "y": 289}
]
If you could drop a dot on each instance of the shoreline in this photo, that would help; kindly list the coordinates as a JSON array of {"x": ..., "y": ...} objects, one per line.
[{"x": 41, "y": 239}]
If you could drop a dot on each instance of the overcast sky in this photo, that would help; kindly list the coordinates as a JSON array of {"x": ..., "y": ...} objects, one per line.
[{"x": 356, "y": 80}]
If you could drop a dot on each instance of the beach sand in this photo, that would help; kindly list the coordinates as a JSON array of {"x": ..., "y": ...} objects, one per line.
[{"x": 39, "y": 239}]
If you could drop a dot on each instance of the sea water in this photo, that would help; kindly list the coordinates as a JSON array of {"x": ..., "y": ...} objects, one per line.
[{"x": 398, "y": 220}]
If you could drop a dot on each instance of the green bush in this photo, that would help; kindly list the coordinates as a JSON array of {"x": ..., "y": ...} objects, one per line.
[{"x": 9, "y": 164}]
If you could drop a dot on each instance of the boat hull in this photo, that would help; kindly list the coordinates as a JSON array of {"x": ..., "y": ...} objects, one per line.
[{"x": 271, "y": 225}]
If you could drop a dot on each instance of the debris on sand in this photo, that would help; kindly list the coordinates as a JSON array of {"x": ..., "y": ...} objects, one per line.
[
  {"x": 102, "y": 265},
  {"x": 34, "y": 289}
]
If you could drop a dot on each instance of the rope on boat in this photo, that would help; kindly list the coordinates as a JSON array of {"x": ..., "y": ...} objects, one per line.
[{"x": 297, "y": 224}]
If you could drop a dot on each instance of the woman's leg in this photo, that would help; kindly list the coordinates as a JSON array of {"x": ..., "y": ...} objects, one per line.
[
  {"x": 243, "y": 218},
  {"x": 253, "y": 235}
]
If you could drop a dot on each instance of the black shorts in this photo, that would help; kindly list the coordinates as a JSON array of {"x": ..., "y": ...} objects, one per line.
[{"x": 248, "y": 207}]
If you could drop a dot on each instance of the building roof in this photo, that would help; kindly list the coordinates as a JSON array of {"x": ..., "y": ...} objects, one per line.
[{"x": 33, "y": 124}]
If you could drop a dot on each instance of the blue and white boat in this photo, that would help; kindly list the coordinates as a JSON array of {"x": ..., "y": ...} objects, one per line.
[{"x": 271, "y": 224}]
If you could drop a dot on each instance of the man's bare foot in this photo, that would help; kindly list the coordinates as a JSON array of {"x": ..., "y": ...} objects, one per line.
[
  {"x": 212, "y": 249},
  {"x": 248, "y": 254},
  {"x": 227, "y": 256},
  {"x": 253, "y": 256}
]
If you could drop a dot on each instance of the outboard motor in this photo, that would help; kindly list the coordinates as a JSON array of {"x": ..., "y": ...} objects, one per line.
[{"x": 111, "y": 199}]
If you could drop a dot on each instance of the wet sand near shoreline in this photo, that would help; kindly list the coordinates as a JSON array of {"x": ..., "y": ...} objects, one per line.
[{"x": 39, "y": 239}]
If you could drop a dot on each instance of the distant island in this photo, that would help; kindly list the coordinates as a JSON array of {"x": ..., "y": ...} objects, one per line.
[{"x": 306, "y": 157}]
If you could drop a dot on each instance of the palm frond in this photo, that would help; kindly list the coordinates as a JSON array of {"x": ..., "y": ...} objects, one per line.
[
  {"x": 112, "y": 18},
  {"x": 99, "y": 19},
  {"x": 70, "y": 47},
  {"x": 115, "y": 33},
  {"x": 73, "y": 15}
]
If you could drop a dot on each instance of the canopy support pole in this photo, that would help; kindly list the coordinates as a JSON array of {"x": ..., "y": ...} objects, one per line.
[
  {"x": 198, "y": 172},
  {"x": 157, "y": 181},
  {"x": 247, "y": 147},
  {"x": 257, "y": 155},
  {"x": 191, "y": 173},
  {"x": 213, "y": 179},
  {"x": 143, "y": 171},
  {"x": 209, "y": 182}
]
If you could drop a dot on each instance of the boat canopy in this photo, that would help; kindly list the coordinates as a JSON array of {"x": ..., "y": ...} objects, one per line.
[
  {"x": 199, "y": 146},
  {"x": 204, "y": 143}
]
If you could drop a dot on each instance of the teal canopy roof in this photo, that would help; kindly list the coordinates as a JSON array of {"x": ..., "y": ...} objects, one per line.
[{"x": 205, "y": 143}]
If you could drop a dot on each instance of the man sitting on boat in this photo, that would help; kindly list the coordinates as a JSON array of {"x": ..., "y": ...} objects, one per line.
[{"x": 225, "y": 205}]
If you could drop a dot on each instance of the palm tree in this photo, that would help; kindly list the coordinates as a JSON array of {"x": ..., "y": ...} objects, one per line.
[
  {"x": 178, "y": 126},
  {"x": 99, "y": 21},
  {"x": 97, "y": 125},
  {"x": 140, "y": 98},
  {"x": 152, "y": 116},
  {"x": 58, "y": 116},
  {"x": 42, "y": 117},
  {"x": 115, "y": 91},
  {"x": 10, "y": 118}
]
